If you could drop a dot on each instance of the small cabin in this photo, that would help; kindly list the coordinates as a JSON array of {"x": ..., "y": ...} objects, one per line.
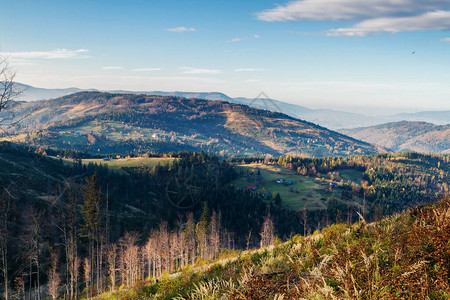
[{"x": 333, "y": 186}]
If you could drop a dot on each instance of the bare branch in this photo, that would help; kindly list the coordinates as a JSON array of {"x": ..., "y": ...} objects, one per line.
[{"x": 9, "y": 94}]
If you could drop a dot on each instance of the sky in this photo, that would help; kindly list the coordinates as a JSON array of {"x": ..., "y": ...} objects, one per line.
[{"x": 372, "y": 56}]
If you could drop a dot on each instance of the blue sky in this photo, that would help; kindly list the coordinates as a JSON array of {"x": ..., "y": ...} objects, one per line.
[{"x": 374, "y": 56}]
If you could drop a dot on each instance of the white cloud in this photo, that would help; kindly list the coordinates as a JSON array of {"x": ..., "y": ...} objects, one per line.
[
  {"x": 372, "y": 16},
  {"x": 239, "y": 39},
  {"x": 437, "y": 20},
  {"x": 235, "y": 40},
  {"x": 188, "y": 70},
  {"x": 181, "y": 29},
  {"x": 112, "y": 68},
  {"x": 338, "y": 10},
  {"x": 252, "y": 80},
  {"x": 146, "y": 69},
  {"x": 248, "y": 70},
  {"x": 445, "y": 40},
  {"x": 53, "y": 54}
]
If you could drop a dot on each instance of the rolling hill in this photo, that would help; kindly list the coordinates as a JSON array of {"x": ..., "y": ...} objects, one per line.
[
  {"x": 329, "y": 118},
  {"x": 435, "y": 117},
  {"x": 325, "y": 117},
  {"x": 121, "y": 123},
  {"x": 406, "y": 136}
]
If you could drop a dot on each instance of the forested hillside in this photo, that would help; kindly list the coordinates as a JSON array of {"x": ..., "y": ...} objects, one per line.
[
  {"x": 75, "y": 210},
  {"x": 406, "y": 136},
  {"x": 116, "y": 123}
]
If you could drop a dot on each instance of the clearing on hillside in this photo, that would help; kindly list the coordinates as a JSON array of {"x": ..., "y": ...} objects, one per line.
[
  {"x": 296, "y": 191},
  {"x": 130, "y": 162}
]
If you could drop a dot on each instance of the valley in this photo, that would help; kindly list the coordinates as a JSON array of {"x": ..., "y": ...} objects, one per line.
[{"x": 225, "y": 150}]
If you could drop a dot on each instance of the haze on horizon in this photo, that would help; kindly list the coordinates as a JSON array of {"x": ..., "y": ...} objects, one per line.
[{"x": 372, "y": 57}]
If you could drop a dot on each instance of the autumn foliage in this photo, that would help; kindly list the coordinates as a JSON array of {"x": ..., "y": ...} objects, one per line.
[{"x": 405, "y": 256}]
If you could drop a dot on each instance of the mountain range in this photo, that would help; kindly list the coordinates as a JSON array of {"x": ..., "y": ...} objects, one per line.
[
  {"x": 406, "y": 136},
  {"x": 329, "y": 118},
  {"x": 99, "y": 122}
]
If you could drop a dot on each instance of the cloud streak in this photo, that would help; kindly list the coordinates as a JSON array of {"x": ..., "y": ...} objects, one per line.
[
  {"x": 188, "y": 70},
  {"x": 235, "y": 40},
  {"x": 437, "y": 20},
  {"x": 53, "y": 54},
  {"x": 340, "y": 10},
  {"x": 371, "y": 16},
  {"x": 181, "y": 29},
  {"x": 240, "y": 39}
]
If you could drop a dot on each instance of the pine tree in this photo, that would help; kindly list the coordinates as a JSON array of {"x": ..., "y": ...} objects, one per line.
[
  {"x": 202, "y": 230},
  {"x": 91, "y": 228}
]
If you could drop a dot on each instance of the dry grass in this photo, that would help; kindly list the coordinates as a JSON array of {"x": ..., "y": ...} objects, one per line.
[{"x": 405, "y": 256}]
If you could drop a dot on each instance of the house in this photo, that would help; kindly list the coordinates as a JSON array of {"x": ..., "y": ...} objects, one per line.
[
  {"x": 252, "y": 188},
  {"x": 332, "y": 186},
  {"x": 280, "y": 180}
]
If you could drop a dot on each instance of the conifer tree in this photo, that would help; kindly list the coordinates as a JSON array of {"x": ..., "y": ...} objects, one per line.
[{"x": 91, "y": 227}]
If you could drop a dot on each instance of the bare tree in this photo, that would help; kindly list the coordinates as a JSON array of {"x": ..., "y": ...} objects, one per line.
[
  {"x": 54, "y": 279},
  {"x": 130, "y": 257},
  {"x": 5, "y": 204},
  {"x": 304, "y": 216},
  {"x": 87, "y": 275},
  {"x": 32, "y": 243},
  {"x": 214, "y": 235},
  {"x": 66, "y": 220},
  {"x": 8, "y": 92},
  {"x": 19, "y": 286},
  {"x": 112, "y": 265},
  {"x": 267, "y": 232},
  {"x": 249, "y": 238}
]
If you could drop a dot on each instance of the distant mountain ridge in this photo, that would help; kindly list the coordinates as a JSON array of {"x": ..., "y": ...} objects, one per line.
[
  {"x": 435, "y": 117},
  {"x": 406, "y": 136},
  {"x": 329, "y": 118},
  {"x": 30, "y": 93},
  {"x": 97, "y": 121}
]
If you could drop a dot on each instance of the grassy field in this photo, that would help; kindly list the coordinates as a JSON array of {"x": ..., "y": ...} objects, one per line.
[
  {"x": 352, "y": 175},
  {"x": 308, "y": 192},
  {"x": 118, "y": 164},
  {"x": 305, "y": 191}
]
